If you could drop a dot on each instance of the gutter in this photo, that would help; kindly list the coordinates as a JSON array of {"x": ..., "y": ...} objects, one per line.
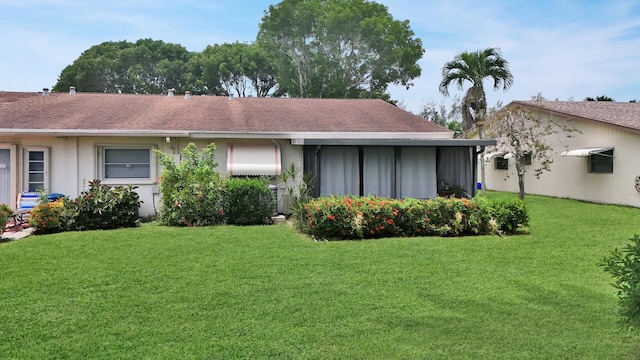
[{"x": 74, "y": 132}]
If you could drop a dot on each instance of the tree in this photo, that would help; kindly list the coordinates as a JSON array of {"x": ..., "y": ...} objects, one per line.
[
  {"x": 439, "y": 114},
  {"x": 598, "y": 98},
  {"x": 523, "y": 135},
  {"x": 238, "y": 68},
  {"x": 474, "y": 67},
  {"x": 146, "y": 66},
  {"x": 338, "y": 48}
]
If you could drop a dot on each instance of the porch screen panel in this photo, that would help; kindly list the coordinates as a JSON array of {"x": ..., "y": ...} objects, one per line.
[
  {"x": 417, "y": 172},
  {"x": 339, "y": 171},
  {"x": 455, "y": 167},
  {"x": 378, "y": 166}
]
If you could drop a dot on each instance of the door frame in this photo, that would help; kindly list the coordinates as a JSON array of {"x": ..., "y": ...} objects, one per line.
[{"x": 13, "y": 174}]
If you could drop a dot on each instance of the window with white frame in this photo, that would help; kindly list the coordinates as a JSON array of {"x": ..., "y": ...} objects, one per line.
[
  {"x": 36, "y": 169},
  {"x": 126, "y": 162}
]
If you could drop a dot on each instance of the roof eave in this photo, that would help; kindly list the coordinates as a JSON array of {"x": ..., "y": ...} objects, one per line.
[{"x": 398, "y": 142}]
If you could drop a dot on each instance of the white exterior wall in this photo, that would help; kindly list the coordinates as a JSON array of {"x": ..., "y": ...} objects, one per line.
[
  {"x": 73, "y": 162},
  {"x": 569, "y": 176}
]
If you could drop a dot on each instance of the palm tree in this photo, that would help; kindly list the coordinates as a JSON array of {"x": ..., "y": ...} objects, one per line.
[{"x": 474, "y": 67}]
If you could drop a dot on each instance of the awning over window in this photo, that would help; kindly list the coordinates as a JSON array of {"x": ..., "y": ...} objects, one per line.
[
  {"x": 586, "y": 152},
  {"x": 252, "y": 159}
]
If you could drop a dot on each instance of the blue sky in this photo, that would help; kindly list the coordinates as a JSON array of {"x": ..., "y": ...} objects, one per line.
[{"x": 564, "y": 50}]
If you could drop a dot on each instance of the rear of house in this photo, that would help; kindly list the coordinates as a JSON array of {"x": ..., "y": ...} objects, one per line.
[
  {"x": 59, "y": 142},
  {"x": 600, "y": 164}
]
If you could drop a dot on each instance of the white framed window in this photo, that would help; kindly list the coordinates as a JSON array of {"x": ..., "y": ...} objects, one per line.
[
  {"x": 126, "y": 163},
  {"x": 35, "y": 169}
]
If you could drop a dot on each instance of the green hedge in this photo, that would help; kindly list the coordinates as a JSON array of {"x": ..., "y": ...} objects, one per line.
[
  {"x": 247, "y": 201},
  {"x": 344, "y": 217}
]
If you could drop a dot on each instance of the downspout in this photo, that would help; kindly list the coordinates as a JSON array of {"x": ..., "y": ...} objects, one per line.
[{"x": 477, "y": 152}]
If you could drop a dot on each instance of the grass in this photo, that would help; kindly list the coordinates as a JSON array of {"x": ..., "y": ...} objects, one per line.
[{"x": 267, "y": 292}]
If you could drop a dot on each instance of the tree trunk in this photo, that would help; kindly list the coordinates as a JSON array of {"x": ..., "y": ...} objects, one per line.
[{"x": 520, "y": 172}]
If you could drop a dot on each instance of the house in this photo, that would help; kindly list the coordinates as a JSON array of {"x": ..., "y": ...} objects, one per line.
[
  {"x": 599, "y": 165},
  {"x": 60, "y": 141}
]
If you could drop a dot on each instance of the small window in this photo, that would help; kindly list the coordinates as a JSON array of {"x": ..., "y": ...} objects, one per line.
[
  {"x": 119, "y": 163},
  {"x": 526, "y": 158},
  {"x": 502, "y": 163},
  {"x": 36, "y": 169},
  {"x": 601, "y": 163}
]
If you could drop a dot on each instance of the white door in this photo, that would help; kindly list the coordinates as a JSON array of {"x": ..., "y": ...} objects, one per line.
[{"x": 5, "y": 176}]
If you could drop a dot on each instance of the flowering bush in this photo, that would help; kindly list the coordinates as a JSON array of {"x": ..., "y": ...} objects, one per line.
[
  {"x": 345, "y": 217},
  {"x": 45, "y": 218},
  {"x": 191, "y": 190},
  {"x": 5, "y": 212},
  {"x": 101, "y": 207}
]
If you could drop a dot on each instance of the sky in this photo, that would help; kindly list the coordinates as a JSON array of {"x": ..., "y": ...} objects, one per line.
[{"x": 563, "y": 50}]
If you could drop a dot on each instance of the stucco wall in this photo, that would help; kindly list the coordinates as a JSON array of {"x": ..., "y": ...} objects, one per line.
[
  {"x": 569, "y": 176},
  {"x": 73, "y": 161}
]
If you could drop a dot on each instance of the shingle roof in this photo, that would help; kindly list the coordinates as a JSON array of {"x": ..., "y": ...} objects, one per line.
[
  {"x": 92, "y": 111},
  {"x": 623, "y": 114}
]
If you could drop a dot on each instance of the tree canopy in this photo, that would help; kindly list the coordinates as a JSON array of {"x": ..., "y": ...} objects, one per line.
[
  {"x": 599, "y": 98},
  {"x": 146, "y": 66},
  {"x": 304, "y": 48},
  {"x": 338, "y": 48},
  {"x": 439, "y": 114}
]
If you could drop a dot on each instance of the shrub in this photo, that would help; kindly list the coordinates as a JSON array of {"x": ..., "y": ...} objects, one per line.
[
  {"x": 191, "y": 190},
  {"x": 370, "y": 217},
  {"x": 101, "y": 207},
  {"x": 247, "y": 201},
  {"x": 511, "y": 215},
  {"x": 624, "y": 266},
  {"x": 332, "y": 218},
  {"x": 5, "y": 213},
  {"x": 45, "y": 217}
]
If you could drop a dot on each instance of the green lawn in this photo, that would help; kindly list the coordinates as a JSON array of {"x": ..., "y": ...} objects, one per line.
[{"x": 267, "y": 292}]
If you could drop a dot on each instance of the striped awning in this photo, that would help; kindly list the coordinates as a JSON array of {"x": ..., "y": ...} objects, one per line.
[
  {"x": 586, "y": 152},
  {"x": 253, "y": 159}
]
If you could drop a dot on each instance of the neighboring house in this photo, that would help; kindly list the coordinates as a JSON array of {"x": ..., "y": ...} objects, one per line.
[
  {"x": 599, "y": 165},
  {"x": 60, "y": 141}
]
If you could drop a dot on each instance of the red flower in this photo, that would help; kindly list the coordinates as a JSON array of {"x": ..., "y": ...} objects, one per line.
[
  {"x": 199, "y": 196},
  {"x": 176, "y": 205},
  {"x": 331, "y": 217},
  {"x": 390, "y": 221},
  {"x": 372, "y": 232}
]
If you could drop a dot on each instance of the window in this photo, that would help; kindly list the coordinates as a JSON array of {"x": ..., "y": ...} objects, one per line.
[
  {"x": 253, "y": 160},
  {"x": 601, "y": 163},
  {"x": 132, "y": 162},
  {"x": 526, "y": 158},
  {"x": 502, "y": 163},
  {"x": 36, "y": 169}
]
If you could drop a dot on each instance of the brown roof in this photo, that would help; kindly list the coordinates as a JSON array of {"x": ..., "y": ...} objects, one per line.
[
  {"x": 92, "y": 111},
  {"x": 623, "y": 114}
]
